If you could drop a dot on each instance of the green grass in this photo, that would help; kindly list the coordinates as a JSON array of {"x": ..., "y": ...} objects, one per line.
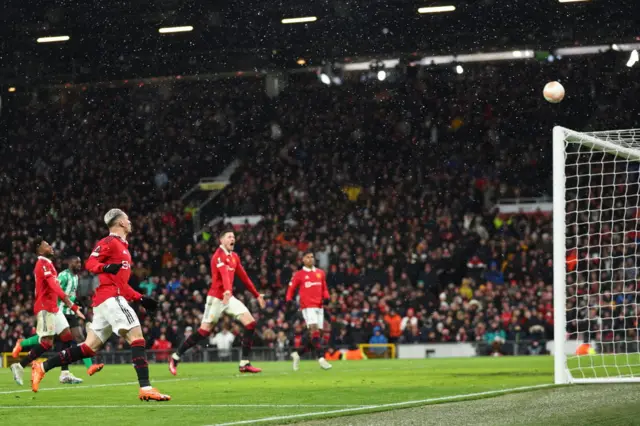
[
  {"x": 201, "y": 391},
  {"x": 592, "y": 366}
]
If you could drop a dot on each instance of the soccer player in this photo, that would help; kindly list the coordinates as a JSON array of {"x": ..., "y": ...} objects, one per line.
[
  {"x": 111, "y": 261},
  {"x": 313, "y": 290},
  {"x": 225, "y": 265},
  {"x": 50, "y": 319},
  {"x": 68, "y": 280}
]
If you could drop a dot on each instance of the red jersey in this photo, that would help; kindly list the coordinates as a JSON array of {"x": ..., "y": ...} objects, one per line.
[
  {"x": 112, "y": 249},
  {"x": 313, "y": 287},
  {"x": 224, "y": 267},
  {"x": 47, "y": 287}
]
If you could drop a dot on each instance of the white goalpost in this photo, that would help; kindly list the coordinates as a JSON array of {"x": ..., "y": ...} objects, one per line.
[{"x": 596, "y": 256}]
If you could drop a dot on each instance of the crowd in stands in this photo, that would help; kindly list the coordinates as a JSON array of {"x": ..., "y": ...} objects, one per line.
[{"x": 392, "y": 185}]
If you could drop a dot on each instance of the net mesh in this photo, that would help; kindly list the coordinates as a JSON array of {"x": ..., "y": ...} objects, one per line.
[{"x": 602, "y": 202}]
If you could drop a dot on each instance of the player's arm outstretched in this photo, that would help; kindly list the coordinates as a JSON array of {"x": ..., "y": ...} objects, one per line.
[{"x": 53, "y": 284}]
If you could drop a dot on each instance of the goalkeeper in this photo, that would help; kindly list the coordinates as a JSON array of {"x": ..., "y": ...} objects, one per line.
[{"x": 68, "y": 280}]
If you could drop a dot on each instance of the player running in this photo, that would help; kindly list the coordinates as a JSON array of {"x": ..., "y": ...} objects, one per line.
[
  {"x": 68, "y": 280},
  {"x": 111, "y": 261},
  {"x": 50, "y": 319},
  {"x": 225, "y": 264},
  {"x": 313, "y": 290}
]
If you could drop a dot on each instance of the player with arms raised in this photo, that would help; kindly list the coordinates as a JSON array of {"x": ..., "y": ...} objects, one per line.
[
  {"x": 111, "y": 261},
  {"x": 312, "y": 283},
  {"x": 50, "y": 319},
  {"x": 225, "y": 265}
]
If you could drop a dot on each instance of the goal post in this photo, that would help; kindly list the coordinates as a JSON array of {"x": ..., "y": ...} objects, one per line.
[{"x": 596, "y": 256}]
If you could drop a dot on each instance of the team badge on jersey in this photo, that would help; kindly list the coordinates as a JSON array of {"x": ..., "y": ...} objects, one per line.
[{"x": 317, "y": 274}]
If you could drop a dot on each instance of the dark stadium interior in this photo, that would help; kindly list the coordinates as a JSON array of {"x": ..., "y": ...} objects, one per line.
[{"x": 121, "y": 40}]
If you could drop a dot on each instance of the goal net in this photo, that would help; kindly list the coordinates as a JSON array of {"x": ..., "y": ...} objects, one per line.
[{"x": 596, "y": 227}]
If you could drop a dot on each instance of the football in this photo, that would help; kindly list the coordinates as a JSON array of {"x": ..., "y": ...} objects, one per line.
[{"x": 553, "y": 92}]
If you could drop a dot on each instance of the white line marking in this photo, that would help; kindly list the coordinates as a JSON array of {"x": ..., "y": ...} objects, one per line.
[
  {"x": 169, "y": 405},
  {"x": 105, "y": 385},
  {"x": 391, "y": 405}
]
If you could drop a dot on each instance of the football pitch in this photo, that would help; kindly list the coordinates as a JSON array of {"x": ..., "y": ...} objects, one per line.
[{"x": 491, "y": 391}]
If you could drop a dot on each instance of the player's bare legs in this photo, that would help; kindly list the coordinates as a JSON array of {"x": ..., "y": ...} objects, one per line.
[
  {"x": 312, "y": 345},
  {"x": 85, "y": 350},
  {"x": 78, "y": 336},
  {"x": 46, "y": 343},
  {"x": 196, "y": 337},
  {"x": 249, "y": 324},
  {"x": 139, "y": 358},
  {"x": 66, "y": 377}
]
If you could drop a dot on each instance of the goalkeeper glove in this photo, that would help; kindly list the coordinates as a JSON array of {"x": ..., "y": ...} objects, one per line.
[
  {"x": 112, "y": 268},
  {"x": 149, "y": 304}
]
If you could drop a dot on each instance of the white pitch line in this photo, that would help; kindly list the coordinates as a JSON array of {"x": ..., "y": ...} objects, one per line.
[
  {"x": 170, "y": 405},
  {"x": 390, "y": 405},
  {"x": 104, "y": 385}
]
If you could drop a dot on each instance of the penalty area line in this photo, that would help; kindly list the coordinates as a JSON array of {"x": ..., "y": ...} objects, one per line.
[{"x": 390, "y": 405}]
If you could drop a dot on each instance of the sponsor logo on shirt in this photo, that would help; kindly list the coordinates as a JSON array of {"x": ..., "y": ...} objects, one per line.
[{"x": 309, "y": 284}]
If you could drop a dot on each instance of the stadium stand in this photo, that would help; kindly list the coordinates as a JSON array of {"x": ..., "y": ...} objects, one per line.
[{"x": 328, "y": 169}]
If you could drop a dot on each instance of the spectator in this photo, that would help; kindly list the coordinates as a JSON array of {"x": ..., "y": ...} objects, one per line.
[
  {"x": 282, "y": 346},
  {"x": 378, "y": 339},
  {"x": 148, "y": 286},
  {"x": 174, "y": 284},
  {"x": 162, "y": 347},
  {"x": 224, "y": 342},
  {"x": 410, "y": 320},
  {"x": 393, "y": 321},
  {"x": 493, "y": 275}
]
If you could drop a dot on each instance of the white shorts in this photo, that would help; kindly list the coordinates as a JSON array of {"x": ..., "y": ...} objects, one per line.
[
  {"x": 313, "y": 316},
  {"x": 50, "y": 324},
  {"x": 114, "y": 315},
  {"x": 214, "y": 309}
]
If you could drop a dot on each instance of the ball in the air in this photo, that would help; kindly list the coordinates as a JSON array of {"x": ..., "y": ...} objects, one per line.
[{"x": 553, "y": 92}]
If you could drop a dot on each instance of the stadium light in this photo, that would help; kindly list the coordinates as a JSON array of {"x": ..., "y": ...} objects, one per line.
[
  {"x": 459, "y": 69},
  {"x": 382, "y": 75},
  {"x": 633, "y": 59},
  {"x": 573, "y": 1},
  {"x": 325, "y": 79},
  {"x": 169, "y": 30},
  {"x": 300, "y": 20},
  {"x": 12, "y": 89},
  {"x": 436, "y": 9},
  {"x": 52, "y": 39}
]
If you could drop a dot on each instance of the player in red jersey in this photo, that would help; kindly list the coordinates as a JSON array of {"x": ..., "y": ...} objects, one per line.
[
  {"x": 51, "y": 321},
  {"x": 111, "y": 261},
  {"x": 225, "y": 265},
  {"x": 312, "y": 283}
]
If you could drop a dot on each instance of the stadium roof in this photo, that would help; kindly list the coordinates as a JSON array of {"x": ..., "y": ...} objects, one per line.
[{"x": 116, "y": 38}]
